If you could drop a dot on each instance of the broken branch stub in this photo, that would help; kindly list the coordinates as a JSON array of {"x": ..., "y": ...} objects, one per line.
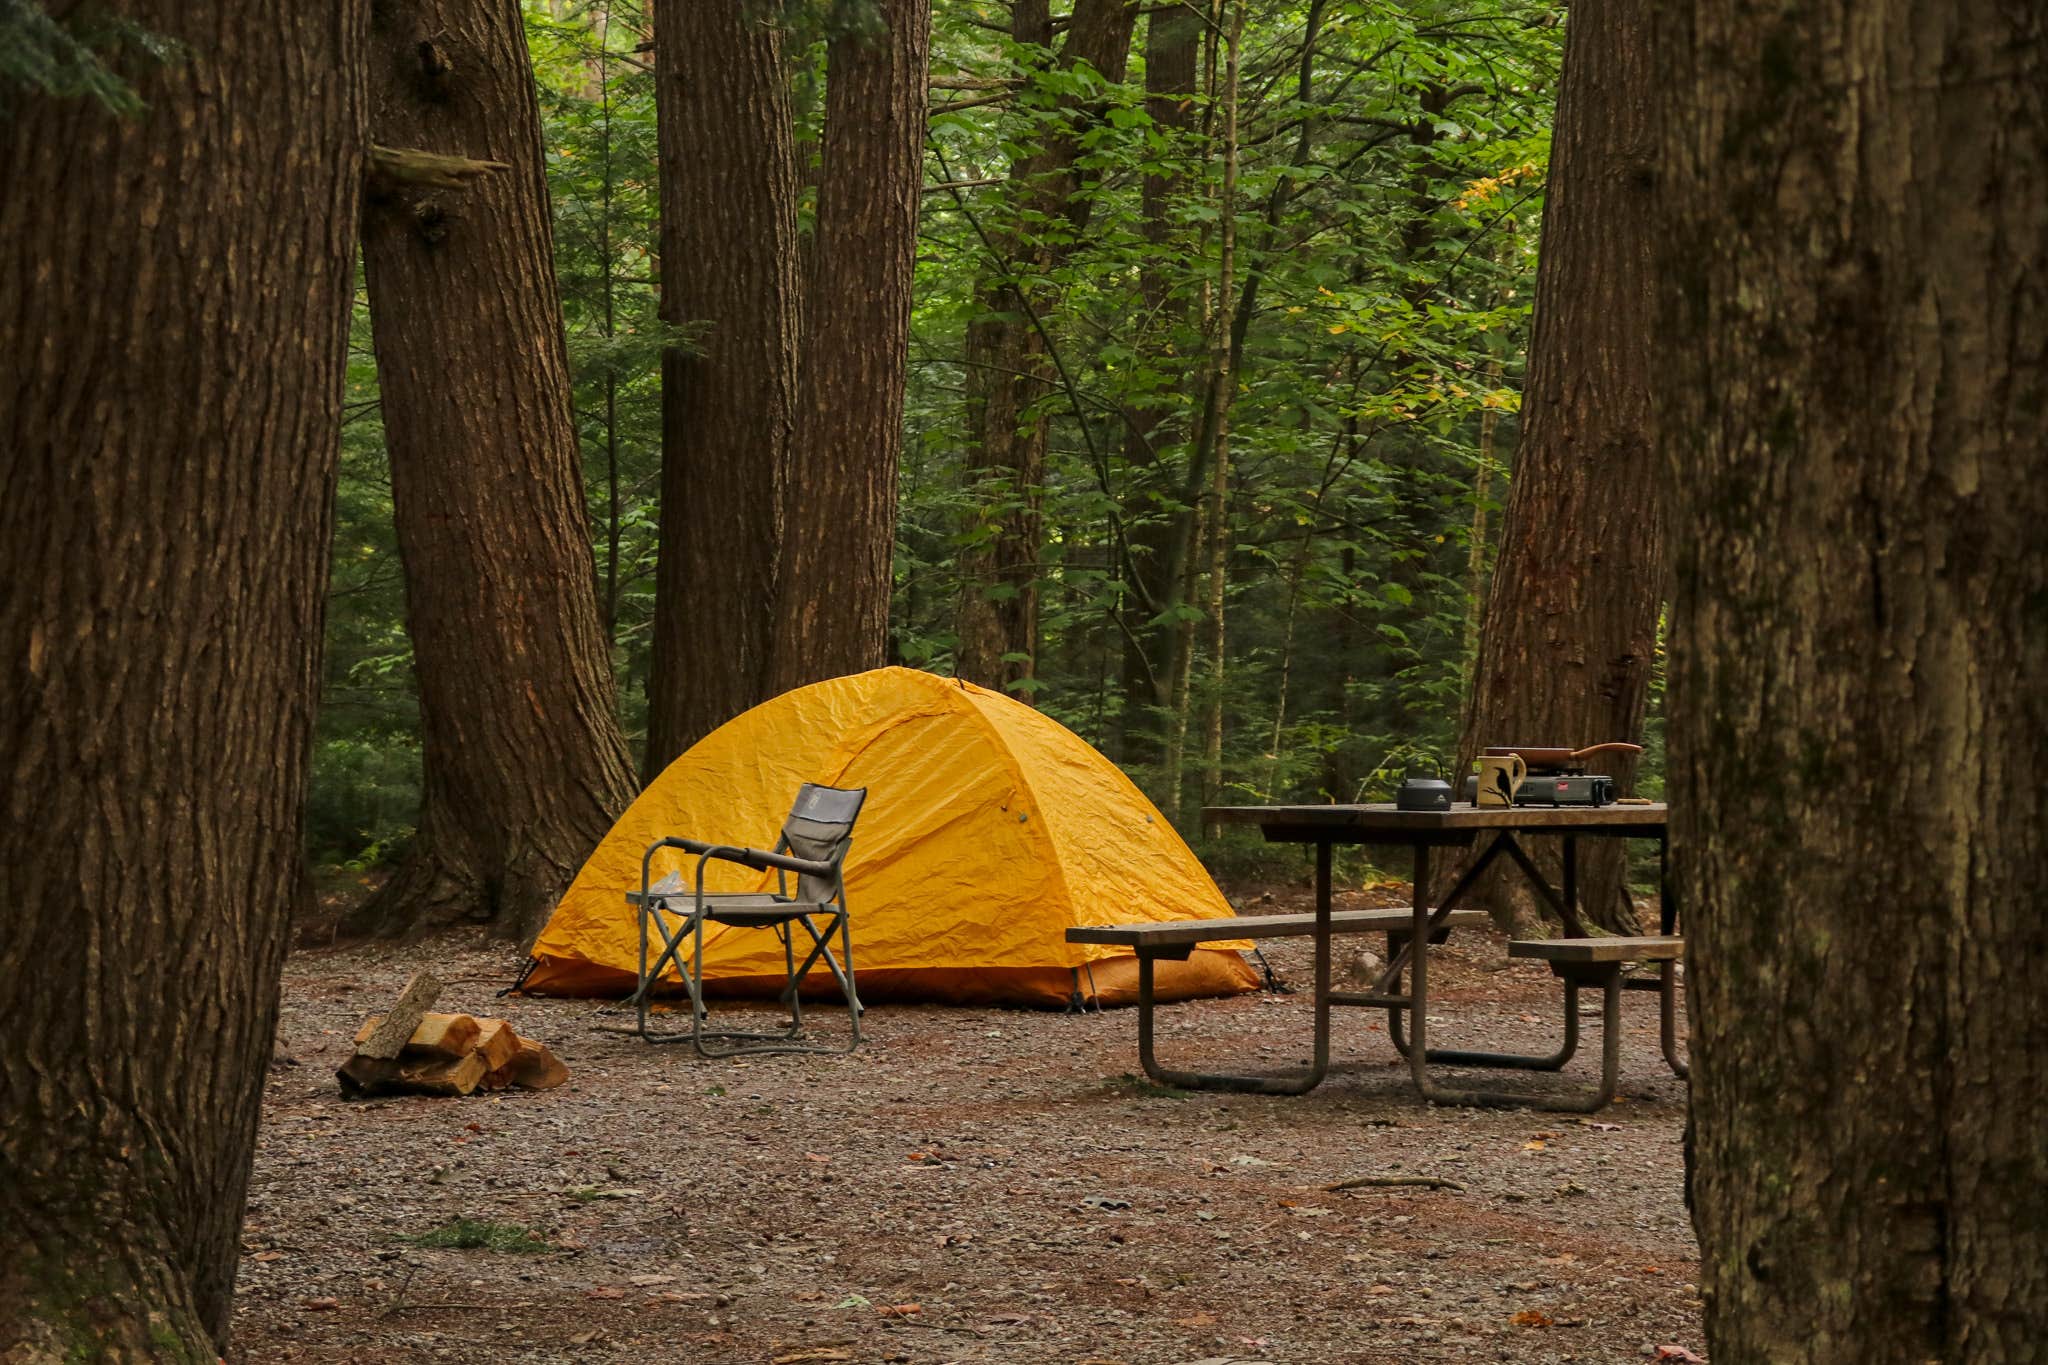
[{"x": 391, "y": 167}]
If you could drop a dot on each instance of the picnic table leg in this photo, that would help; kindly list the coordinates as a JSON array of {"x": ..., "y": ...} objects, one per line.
[
  {"x": 1419, "y": 1054},
  {"x": 1520, "y": 1061},
  {"x": 1667, "y": 904},
  {"x": 1397, "y": 956},
  {"x": 1299, "y": 1083},
  {"x": 1667, "y": 1010},
  {"x": 1569, "y": 892}
]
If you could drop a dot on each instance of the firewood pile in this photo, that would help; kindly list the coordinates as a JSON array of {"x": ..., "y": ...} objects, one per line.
[{"x": 409, "y": 1050}]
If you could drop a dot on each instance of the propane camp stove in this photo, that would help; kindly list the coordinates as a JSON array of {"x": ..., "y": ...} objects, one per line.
[
  {"x": 1557, "y": 775},
  {"x": 1565, "y": 789}
]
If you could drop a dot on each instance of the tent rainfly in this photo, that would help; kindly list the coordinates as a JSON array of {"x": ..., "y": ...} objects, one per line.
[{"x": 989, "y": 829}]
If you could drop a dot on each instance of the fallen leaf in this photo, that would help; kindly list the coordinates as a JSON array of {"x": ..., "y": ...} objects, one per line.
[
  {"x": 1198, "y": 1320},
  {"x": 813, "y": 1156},
  {"x": 267, "y": 1256},
  {"x": 1530, "y": 1317},
  {"x": 900, "y": 1310},
  {"x": 1533, "y": 1145},
  {"x": 605, "y": 1291},
  {"x": 1680, "y": 1355},
  {"x": 320, "y": 1305}
]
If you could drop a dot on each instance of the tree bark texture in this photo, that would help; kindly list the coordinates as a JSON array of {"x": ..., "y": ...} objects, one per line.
[
  {"x": 1855, "y": 334},
  {"x": 728, "y": 266},
  {"x": 840, "y": 515},
  {"x": 1568, "y": 638},
  {"x": 524, "y": 768},
  {"x": 174, "y": 298},
  {"x": 1009, "y": 370}
]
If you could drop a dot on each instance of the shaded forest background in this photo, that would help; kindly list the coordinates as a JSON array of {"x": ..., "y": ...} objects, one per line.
[{"x": 1281, "y": 341}]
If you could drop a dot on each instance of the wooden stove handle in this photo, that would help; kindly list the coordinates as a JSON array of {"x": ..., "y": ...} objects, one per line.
[{"x": 1616, "y": 745}]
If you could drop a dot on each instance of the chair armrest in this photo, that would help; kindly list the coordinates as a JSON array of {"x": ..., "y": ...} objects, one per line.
[
  {"x": 756, "y": 858},
  {"x": 787, "y": 862}
]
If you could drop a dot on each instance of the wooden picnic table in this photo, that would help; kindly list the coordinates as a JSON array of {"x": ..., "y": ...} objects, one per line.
[{"x": 1326, "y": 826}]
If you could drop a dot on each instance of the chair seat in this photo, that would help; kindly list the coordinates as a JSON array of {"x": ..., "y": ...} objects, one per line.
[{"x": 734, "y": 907}]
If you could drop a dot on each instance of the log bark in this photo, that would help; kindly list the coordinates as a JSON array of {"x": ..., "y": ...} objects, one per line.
[
  {"x": 1855, "y": 335},
  {"x": 174, "y": 308},
  {"x": 728, "y": 266},
  {"x": 840, "y": 511},
  {"x": 524, "y": 767},
  {"x": 386, "y": 1034},
  {"x": 1567, "y": 641}
]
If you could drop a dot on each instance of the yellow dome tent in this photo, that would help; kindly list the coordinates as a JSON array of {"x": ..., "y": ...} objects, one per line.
[{"x": 989, "y": 829}]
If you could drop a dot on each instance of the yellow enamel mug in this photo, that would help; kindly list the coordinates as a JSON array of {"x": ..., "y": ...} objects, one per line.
[{"x": 1500, "y": 776}]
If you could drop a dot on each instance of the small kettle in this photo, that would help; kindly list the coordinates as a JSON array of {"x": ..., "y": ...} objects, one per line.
[{"x": 1420, "y": 792}]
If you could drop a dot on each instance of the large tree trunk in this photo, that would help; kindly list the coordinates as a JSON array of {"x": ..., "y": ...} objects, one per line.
[
  {"x": 1855, "y": 335},
  {"x": 1010, "y": 370},
  {"x": 840, "y": 515},
  {"x": 728, "y": 265},
  {"x": 524, "y": 765},
  {"x": 1568, "y": 637},
  {"x": 174, "y": 308}
]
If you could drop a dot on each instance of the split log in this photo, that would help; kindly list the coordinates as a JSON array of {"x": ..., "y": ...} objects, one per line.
[
  {"x": 496, "y": 1043},
  {"x": 395, "y": 1029},
  {"x": 430, "y": 1076},
  {"x": 443, "y": 1035},
  {"x": 535, "y": 1067}
]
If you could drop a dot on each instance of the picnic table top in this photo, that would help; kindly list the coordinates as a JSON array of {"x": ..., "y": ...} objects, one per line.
[
  {"x": 1357, "y": 823},
  {"x": 1224, "y": 928}
]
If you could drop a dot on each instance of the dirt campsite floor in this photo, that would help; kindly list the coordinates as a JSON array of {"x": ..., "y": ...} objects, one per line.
[{"x": 973, "y": 1185}]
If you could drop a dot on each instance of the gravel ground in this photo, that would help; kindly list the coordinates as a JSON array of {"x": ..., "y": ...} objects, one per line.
[{"x": 974, "y": 1185}]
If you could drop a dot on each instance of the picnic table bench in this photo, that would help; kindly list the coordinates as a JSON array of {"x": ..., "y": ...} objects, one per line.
[{"x": 1175, "y": 939}]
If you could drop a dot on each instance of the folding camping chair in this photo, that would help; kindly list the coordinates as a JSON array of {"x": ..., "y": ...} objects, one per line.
[{"x": 813, "y": 847}]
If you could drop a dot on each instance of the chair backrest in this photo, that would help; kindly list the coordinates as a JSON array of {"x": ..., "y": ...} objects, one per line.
[{"x": 819, "y": 827}]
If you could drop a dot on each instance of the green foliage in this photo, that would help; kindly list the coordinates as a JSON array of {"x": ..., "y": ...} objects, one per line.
[
  {"x": 1385, "y": 228},
  {"x": 1386, "y": 224}
]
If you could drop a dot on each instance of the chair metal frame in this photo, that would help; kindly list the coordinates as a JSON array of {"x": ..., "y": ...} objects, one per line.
[{"x": 679, "y": 917}]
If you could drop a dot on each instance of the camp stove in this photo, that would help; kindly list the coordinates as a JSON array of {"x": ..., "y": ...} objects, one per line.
[
  {"x": 1565, "y": 789},
  {"x": 1557, "y": 776}
]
